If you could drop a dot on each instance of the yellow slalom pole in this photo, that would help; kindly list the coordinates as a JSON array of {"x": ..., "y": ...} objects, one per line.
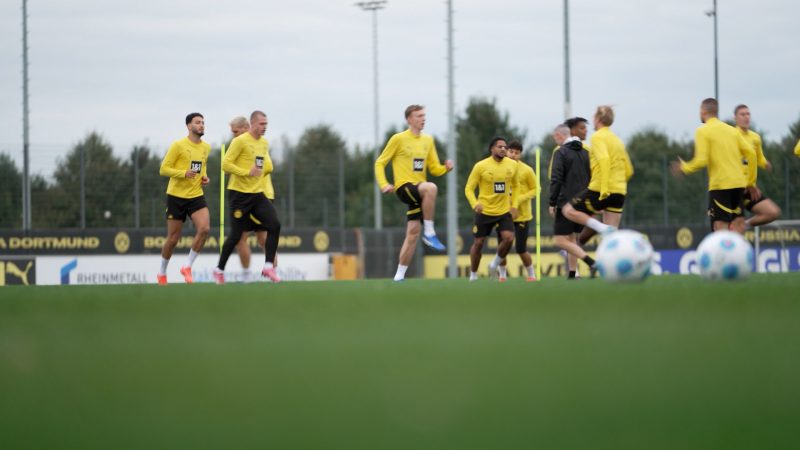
[
  {"x": 538, "y": 151},
  {"x": 221, "y": 199}
]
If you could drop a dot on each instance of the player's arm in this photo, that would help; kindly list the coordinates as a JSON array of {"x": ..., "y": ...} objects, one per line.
[
  {"x": 435, "y": 167},
  {"x": 700, "y": 158},
  {"x": 797, "y": 148},
  {"x": 762, "y": 160},
  {"x": 552, "y": 157},
  {"x": 514, "y": 200},
  {"x": 600, "y": 150},
  {"x": 229, "y": 161},
  {"x": 268, "y": 166},
  {"x": 472, "y": 183},
  {"x": 380, "y": 164},
  {"x": 628, "y": 165},
  {"x": 204, "y": 180},
  {"x": 556, "y": 178},
  {"x": 168, "y": 168},
  {"x": 528, "y": 189}
]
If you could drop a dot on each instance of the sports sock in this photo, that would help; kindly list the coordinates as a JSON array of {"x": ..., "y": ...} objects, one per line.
[
  {"x": 191, "y": 258},
  {"x": 401, "y": 272},
  {"x": 163, "y": 270},
  {"x": 428, "y": 224}
]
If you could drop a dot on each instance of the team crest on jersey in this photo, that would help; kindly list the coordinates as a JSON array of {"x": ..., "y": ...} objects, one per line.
[{"x": 237, "y": 214}]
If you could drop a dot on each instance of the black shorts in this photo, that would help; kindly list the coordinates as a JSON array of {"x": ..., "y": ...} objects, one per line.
[
  {"x": 485, "y": 224},
  {"x": 246, "y": 207},
  {"x": 409, "y": 194},
  {"x": 520, "y": 236},
  {"x": 589, "y": 202},
  {"x": 253, "y": 224},
  {"x": 563, "y": 226},
  {"x": 725, "y": 205},
  {"x": 748, "y": 202},
  {"x": 178, "y": 208}
]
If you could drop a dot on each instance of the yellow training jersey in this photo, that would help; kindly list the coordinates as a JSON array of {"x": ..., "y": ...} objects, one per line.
[
  {"x": 526, "y": 188},
  {"x": 269, "y": 190},
  {"x": 244, "y": 153},
  {"x": 495, "y": 181},
  {"x": 750, "y": 170},
  {"x": 411, "y": 156},
  {"x": 721, "y": 148},
  {"x": 183, "y": 155},
  {"x": 797, "y": 148},
  {"x": 610, "y": 165}
]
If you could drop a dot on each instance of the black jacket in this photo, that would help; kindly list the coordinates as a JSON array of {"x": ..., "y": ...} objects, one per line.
[{"x": 571, "y": 173}]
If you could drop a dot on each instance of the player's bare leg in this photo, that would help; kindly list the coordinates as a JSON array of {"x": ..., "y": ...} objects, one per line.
[
  {"x": 475, "y": 257},
  {"x": 174, "y": 228},
  {"x": 428, "y": 192},
  {"x": 764, "y": 212},
  {"x": 407, "y": 250}
]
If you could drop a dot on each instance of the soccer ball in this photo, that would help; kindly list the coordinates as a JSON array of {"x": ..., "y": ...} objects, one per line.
[
  {"x": 624, "y": 255},
  {"x": 724, "y": 255}
]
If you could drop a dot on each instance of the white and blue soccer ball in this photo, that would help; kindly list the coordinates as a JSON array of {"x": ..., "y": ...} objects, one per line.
[
  {"x": 624, "y": 255},
  {"x": 725, "y": 255}
]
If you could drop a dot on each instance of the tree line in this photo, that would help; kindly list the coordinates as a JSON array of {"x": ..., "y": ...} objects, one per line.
[{"x": 319, "y": 181}]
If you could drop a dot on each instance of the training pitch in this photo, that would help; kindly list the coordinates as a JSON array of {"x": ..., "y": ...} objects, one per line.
[{"x": 672, "y": 363}]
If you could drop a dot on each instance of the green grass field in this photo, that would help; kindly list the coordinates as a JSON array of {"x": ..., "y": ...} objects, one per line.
[{"x": 673, "y": 363}]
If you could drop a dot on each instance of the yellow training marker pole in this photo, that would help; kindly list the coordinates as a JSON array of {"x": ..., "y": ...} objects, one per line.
[
  {"x": 221, "y": 199},
  {"x": 538, "y": 215}
]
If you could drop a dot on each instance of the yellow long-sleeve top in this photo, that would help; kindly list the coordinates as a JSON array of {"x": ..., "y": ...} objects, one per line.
[
  {"x": 495, "y": 181},
  {"x": 751, "y": 171},
  {"x": 526, "y": 189},
  {"x": 721, "y": 148},
  {"x": 610, "y": 165},
  {"x": 411, "y": 156},
  {"x": 244, "y": 153},
  {"x": 269, "y": 190},
  {"x": 183, "y": 155},
  {"x": 797, "y": 148}
]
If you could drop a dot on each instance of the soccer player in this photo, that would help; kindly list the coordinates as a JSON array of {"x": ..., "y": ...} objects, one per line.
[
  {"x": 721, "y": 148},
  {"x": 560, "y": 134},
  {"x": 611, "y": 170},
  {"x": 570, "y": 176},
  {"x": 413, "y": 155},
  {"x": 238, "y": 126},
  {"x": 494, "y": 177},
  {"x": 248, "y": 162},
  {"x": 527, "y": 187},
  {"x": 764, "y": 210},
  {"x": 185, "y": 165}
]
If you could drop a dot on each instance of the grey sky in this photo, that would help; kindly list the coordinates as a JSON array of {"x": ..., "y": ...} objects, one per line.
[{"x": 132, "y": 70}]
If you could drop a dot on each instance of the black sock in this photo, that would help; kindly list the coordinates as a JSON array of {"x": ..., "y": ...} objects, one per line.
[
  {"x": 588, "y": 260},
  {"x": 571, "y": 274}
]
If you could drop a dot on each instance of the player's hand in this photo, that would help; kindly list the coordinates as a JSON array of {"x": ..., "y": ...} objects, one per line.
[
  {"x": 205, "y": 181},
  {"x": 448, "y": 165},
  {"x": 190, "y": 174},
  {"x": 255, "y": 172},
  {"x": 675, "y": 168},
  {"x": 755, "y": 193},
  {"x": 388, "y": 189},
  {"x": 769, "y": 166},
  {"x": 604, "y": 195},
  {"x": 478, "y": 208},
  {"x": 552, "y": 211},
  {"x": 514, "y": 213}
]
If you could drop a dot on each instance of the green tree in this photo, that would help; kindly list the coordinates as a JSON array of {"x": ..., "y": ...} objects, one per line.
[{"x": 10, "y": 193}]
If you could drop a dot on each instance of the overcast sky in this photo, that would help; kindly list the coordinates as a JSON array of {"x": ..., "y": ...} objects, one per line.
[{"x": 133, "y": 70}]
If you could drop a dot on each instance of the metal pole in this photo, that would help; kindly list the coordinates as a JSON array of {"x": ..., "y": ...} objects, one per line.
[
  {"x": 664, "y": 186},
  {"x": 26, "y": 179},
  {"x": 341, "y": 196},
  {"x": 452, "y": 181},
  {"x": 291, "y": 188},
  {"x": 713, "y": 13},
  {"x": 83, "y": 184},
  {"x": 374, "y": 6},
  {"x": 567, "y": 100},
  {"x": 786, "y": 188}
]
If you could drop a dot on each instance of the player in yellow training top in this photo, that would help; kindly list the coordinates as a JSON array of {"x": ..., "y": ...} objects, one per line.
[
  {"x": 248, "y": 162},
  {"x": 527, "y": 187},
  {"x": 185, "y": 165},
  {"x": 721, "y": 148},
  {"x": 413, "y": 155},
  {"x": 494, "y": 177},
  {"x": 240, "y": 125},
  {"x": 611, "y": 169},
  {"x": 764, "y": 210}
]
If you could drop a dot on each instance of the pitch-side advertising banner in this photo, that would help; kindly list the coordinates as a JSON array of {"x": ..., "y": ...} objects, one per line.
[{"x": 135, "y": 269}]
